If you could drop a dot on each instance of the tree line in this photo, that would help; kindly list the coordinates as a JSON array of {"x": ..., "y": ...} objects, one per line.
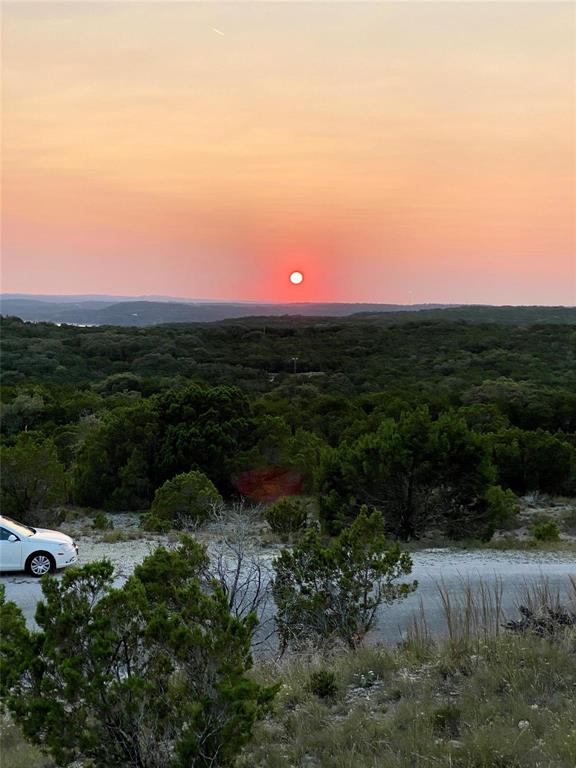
[{"x": 424, "y": 469}]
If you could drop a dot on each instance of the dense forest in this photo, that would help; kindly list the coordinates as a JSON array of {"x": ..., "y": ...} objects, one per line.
[{"x": 437, "y": 423}]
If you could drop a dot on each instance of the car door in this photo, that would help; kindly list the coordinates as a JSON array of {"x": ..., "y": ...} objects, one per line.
[{"x": 10, "y": 551}]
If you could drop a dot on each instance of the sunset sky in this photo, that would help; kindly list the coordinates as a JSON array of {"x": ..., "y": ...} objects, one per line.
[{"x": 391, "y": 151}]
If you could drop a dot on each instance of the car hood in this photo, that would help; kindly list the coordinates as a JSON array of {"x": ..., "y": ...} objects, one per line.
[{"x": 43, "y": 534}]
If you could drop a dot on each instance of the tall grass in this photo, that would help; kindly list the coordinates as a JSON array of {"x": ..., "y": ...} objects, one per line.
[
  {"x": 539, "y": 596},
  {"x": 474, "y": 614}
]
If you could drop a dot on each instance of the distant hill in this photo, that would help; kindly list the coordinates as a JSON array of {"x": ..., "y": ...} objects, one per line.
[
  {"x": 99, "y": 311},
  {"x": 102, "y": 311}
]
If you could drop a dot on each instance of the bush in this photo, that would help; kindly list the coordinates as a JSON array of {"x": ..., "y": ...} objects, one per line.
[
  {"x": 502, "y": 506},
  {"x": 287, "y": 515},
  {"x": 545, "y": 530},
  {"x": 149, "y": 675},
  {"x": 323, "y": 684},
  {"x": 154, "y": 524},
  {"x": 100, "y": 522},
  {"x": 331, "y": 594},
  {"x": 187, "y": 498},
  {"x": 116, "y": 536}
]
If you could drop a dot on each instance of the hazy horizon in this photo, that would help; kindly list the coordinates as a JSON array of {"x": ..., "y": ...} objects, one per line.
[
  {"x": 395, "y": 153},
  {"x": 212, "y": 300}
]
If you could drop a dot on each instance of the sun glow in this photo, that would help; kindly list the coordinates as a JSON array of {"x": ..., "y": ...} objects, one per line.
[{"x": 296, "y": 278}]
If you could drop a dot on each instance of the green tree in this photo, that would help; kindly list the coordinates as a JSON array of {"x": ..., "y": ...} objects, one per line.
[
  {"x": 534, "y": 461},
  {"x": 202, "y": 428},
  {"x": 421, "y": 472},
  {"x": 117, "y": 456},
  {"x": 328, "y": 593},
  {"x": 149, "y": 675},
  {"x": 187, "y": 497},
  {"x": 32, "y": 478},
  {"x": 120, "y": 382},
  {"x": 134, "y": 489},
  {"x": 23, "y": 412},
  {"x": 305, "y": 454}
]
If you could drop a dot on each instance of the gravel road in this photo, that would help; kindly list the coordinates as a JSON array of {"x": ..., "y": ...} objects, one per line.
[{"x": 431, "y": 567}]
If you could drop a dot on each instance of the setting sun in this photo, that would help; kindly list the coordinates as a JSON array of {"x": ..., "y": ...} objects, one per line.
[{"x": 296, "y": 278}]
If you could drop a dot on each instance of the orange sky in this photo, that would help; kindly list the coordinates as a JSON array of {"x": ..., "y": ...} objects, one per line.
[{"x": 395, "y": 152}]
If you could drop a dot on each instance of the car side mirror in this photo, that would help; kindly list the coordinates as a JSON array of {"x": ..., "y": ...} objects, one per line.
[{"x": 12, "y": 537}]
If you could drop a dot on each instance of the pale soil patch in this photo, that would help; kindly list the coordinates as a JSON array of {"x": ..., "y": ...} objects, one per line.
[
  {"x": 126, "y": 544},
  {"x": 533, "y": 507}
]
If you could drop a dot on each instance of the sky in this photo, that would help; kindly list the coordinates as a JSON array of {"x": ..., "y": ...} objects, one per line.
[{"x": 397, "y": 152}]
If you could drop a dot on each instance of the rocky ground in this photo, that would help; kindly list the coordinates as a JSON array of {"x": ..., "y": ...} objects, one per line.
[
  {"x": 126, "y": 544},
  {"x": 535, "y": 507}
]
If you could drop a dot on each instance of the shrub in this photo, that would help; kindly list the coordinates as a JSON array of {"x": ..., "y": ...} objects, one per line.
[
  {"x": 100, "y": 522},
  {"x": 149, "y": 675},
  {"x": 327, "y": 594},
  {"x": 502, "y": 505},
  {"x": 323, "y": 684},
  {"x": 154, "y": 524},
  {"x": 287, "y": 515},
  {"x": 366, "y": 679},
  {"x": 186, "y": 498},
  {"x": 545, "y": 530},
  {"x": 116, "y": 536}
]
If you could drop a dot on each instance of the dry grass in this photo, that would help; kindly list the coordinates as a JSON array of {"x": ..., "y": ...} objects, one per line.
[
  {"x": 116, "y": 536},
  {"x": 480, "y": 698},
  {"x": 511, "y": 706},
  {"x": 15, "y": 752}
]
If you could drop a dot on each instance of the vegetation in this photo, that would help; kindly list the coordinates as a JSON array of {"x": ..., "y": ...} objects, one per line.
[
  {"x": 101, "y": 522},
  {"x": 502, "y": 506},
  {"x": 482, "y": 697},
  {"x": 477, "y": 699},
  {"x": 422, "y": 472},
  {"x": 287, "y": 515},
  {"x": 32, "y": 477},
  {"x": 330, "y": 593},
  {"x": 417, "y": 428},
  {"x": 545, "y": 530},
  {"x": 150, "y": 674},
  {"x": 510, "y": 705},
  {"x": 185, "y": 500},
  {"x": 422, "y": 419},
  {"x": 323, "y": 683}
]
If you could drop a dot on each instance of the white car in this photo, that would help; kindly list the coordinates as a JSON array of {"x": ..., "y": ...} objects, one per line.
[{"x": 35, "y": 550}]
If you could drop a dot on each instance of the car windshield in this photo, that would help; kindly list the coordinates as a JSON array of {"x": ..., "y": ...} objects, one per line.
[{"x": 22, "y": 530}]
